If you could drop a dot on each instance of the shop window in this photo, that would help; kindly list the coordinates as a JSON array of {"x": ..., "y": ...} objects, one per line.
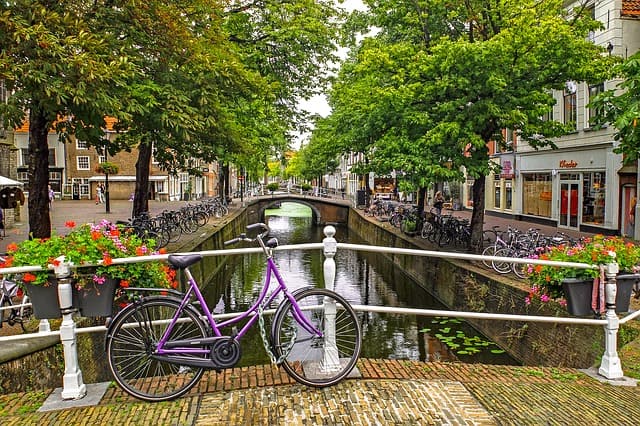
[
  {"x": 536, "y": 194},
  {"x": 497, "y": 194},
  {"x": 593, "y": 196}
]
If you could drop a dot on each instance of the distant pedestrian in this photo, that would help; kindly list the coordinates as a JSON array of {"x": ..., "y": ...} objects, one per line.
[
  {"x": 101, "y": 193},
  {"x": 438, "y": 202},
  {"x": 51, "y": 195}
]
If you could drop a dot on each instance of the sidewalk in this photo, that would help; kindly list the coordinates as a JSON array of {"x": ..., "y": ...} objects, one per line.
[{"x": 81, "y": 211}]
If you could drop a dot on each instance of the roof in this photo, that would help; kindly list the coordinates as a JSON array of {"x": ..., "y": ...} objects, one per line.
[
  {"x": 631, "y": 8},
  {"x": 109, "y": 121}
]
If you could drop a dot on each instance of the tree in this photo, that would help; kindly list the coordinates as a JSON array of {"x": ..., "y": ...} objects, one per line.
[
  {"x": 442, "y": 79},
  {"x": 621, "y": 107},
  {"x": 59, "y": 72}
]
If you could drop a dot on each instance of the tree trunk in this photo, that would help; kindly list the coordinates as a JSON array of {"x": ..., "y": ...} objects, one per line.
[
  {"x": 143, "y": 165},
  {"x": 477, "y": 215},
  {"x": 39, "y": 218}
]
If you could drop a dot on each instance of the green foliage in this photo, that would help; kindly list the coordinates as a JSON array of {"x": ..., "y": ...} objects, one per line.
[
  {"x": 107, "y": 168},
  {"x": 621, "y": 107},
  {"x": 273, "y": 186},
  {"x": 441, "y": 79},
  {"x": 95, "y": 245}
]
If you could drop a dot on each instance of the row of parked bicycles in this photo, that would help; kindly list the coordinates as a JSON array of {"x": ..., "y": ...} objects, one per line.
[
  {"x": 448, "y": 230},
  {"x": 168, "y": 226},
  {"x": 443, "y": 230}
]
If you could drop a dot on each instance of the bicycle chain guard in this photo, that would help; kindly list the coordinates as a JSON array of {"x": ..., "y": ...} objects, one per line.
[{"x": 225, "y": 352}]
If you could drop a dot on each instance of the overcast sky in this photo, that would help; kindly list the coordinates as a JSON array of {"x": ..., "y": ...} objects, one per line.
[{"x": 318, "y": 104}]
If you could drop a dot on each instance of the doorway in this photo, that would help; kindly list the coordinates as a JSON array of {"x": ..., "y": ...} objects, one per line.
[{"x": 569, "y": 203}]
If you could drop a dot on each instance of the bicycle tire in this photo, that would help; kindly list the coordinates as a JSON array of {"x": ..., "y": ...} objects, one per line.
[
  {"x": 304, "y": 359},
  {"x": 28, "y": 322},
  {"x": 427, "y": 229},
  {"x": 132, "y": 338},
  {"x": 5, "y": 301},
  {"x": 488, "y": 251},
  {"x": 502, "y": 267}
]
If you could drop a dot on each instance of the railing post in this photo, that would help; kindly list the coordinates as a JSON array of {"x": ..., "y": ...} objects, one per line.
[
  {"x": 610, "y": 365},
  {"x": 331, "y": 359},
  {"x": 73, "y": 386}
]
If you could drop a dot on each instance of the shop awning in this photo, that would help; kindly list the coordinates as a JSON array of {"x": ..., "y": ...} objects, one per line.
[{"x": 5, "y": 181}]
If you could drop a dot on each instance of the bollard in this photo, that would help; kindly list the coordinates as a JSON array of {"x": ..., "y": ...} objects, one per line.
[
  {"x": 73, "y": 386},
  {"x": 610, "y": 365},
  {"x": 331, "y": 359}
]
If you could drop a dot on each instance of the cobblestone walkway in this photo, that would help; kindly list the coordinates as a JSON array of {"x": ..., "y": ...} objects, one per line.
[{"x": 389, "y": 393}]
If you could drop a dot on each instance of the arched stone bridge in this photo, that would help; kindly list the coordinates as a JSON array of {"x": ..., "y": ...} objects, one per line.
[{"x": 324, "y": 210}]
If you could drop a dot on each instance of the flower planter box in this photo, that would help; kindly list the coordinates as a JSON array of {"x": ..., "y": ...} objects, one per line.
[
  {"x": 44, "y": 299},
  {"x": 97, "y": 300},
  {"x": 578, "y": 293},
  {"x": 92, "y": 301}
]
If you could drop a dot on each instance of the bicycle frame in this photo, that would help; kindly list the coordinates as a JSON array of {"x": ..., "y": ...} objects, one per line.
[{"x": 252, "y": 313}]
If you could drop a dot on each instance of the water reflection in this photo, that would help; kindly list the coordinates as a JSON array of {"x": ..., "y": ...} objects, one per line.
[{"x": 362, "y": 278}]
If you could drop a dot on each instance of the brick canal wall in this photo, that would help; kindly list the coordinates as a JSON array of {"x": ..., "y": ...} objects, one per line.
[{"x": 464, "y": 286}]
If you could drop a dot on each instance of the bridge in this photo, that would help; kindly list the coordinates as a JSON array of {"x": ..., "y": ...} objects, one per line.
[{"x": 324, "y": 210}]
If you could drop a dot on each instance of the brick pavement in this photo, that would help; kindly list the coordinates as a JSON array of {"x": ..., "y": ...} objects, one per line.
[{"x": 391, "y": 392}]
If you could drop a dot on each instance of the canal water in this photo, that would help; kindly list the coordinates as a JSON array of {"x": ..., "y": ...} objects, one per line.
[{"x": 362, "y": 278}]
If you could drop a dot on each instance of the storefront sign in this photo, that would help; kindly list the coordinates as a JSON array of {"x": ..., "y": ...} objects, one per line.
[{"x": 564, "y": 164}]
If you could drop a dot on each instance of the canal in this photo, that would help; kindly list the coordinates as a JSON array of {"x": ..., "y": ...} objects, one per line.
[{"x": 362, "y": 278}]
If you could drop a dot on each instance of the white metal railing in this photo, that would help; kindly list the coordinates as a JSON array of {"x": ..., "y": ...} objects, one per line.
[{"x": 610, "y": 367}]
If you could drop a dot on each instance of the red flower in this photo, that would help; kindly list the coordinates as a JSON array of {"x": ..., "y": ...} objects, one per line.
[
  {"x": 162, "y": 251},
  {"x": 55, "y": 262},
  {"x": 114, "y": 233},
  {"x": 95, "y": 235},
  {"x": 124, "y": 283},
  {"x": 106, "y": 260},
  {"x": 70, "y": 224},
  {"x": 12, "y": 247},
  {"x": 28, "y": 277}
]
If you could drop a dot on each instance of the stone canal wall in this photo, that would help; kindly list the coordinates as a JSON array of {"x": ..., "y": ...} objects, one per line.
[{"x": 464, "y": 286}]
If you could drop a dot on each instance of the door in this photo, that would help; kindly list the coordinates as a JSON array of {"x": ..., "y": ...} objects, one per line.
[
  {"x": 628, "y": 211},
  {"x": 569, "y": 204}
]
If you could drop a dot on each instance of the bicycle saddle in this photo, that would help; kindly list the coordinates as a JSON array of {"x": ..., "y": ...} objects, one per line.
[{"x": 183, "y": 261}]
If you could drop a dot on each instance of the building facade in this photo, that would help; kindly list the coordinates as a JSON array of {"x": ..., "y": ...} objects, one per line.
[{"x": 582, "y": 184}]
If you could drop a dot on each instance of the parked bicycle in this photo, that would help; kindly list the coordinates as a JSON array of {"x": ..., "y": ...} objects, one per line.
[
  {"x": 14, "y": 305},
  {"x": 158, "y": 347}
]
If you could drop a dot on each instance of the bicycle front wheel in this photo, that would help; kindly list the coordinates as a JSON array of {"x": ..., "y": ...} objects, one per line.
[
  {"x": 131, "y": 341},
  {"x": 311, "y": 359}
]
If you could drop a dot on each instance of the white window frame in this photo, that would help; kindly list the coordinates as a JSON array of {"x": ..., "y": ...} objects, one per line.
[
  {"x": 81, "y": 144},
  {"x": 82, "y": 158}
]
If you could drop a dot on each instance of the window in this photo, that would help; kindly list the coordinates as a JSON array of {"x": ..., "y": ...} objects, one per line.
[
  {"x": 81, "y": 144},
  {"x": 570, "y": 104},
  {"x": 102, "y": 158},
  {"x": 24, "y": 157},
  {"x": 52, "y": 157},
  {"x": 83, "y": 162},
  {"x": 536, "y": 194},
  {"x": 593, "y": 197},
  {"x": 497, "y": 192},
  {"x": 594, "y": 90}
]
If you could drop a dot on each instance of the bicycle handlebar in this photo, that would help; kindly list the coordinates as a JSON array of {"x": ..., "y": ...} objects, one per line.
[{"x": 243, "y": 236}]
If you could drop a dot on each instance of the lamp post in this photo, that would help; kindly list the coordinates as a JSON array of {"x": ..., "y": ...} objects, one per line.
[{"x": 107, "y": 205}]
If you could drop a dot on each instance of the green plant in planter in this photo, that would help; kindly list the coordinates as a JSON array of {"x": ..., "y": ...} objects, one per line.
[
  {"x": 107, "y": 168},
  {"x": 546, "y": 281},
  {"x": 305, "y": 187},
  {"x": 92, "y": 244},
  {"x": 272, "y": 187}
]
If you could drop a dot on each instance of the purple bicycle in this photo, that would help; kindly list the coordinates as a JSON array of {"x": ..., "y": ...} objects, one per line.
[{"x": 158, "y": 347}]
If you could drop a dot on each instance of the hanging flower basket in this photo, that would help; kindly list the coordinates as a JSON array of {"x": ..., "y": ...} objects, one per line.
[
  {"x": 107, "y": 168},
  {"x": 44, "y": 298},
  {"x": 97, "y": 300}
]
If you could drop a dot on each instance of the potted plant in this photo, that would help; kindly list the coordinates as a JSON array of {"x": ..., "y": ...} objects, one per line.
[
  {"x": 107, "y": 168},
  {"x": 89, "y": 244},
  {"x": 574, "y": 286},
  {"x": 272, "y": 187}
]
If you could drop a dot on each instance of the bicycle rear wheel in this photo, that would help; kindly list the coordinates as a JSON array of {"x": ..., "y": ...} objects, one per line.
[
  {"x": 132, "y": 338},
  {"x": 315, "y": 360}
]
